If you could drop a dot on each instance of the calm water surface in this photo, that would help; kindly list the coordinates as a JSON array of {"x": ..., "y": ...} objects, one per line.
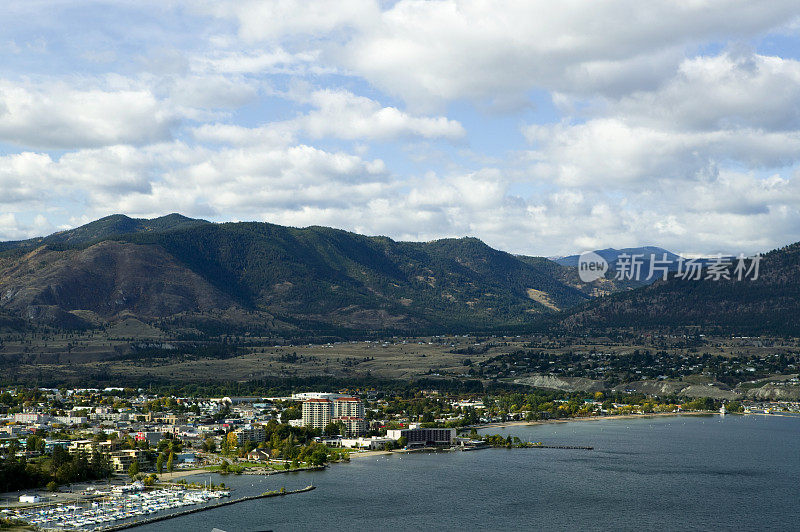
[{"x": 675, "y": 473}]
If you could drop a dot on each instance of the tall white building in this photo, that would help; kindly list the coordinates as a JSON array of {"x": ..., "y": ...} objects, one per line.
[
  {"x": 348, "y": 407},
  {"x": 318, "y": 412}
]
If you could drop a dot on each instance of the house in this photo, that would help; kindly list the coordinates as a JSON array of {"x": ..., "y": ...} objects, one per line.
[{"x": 258, "y": 455}]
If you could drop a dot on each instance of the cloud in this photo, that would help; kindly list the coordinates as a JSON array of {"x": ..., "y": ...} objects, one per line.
[
  {"x": 275, "y": 61},
  {"x": 211, "y": 91},
  {"x": 260, "y": 21},
  {"x": 441, "y": 51},
  {"x": 337, "y": 114},
  {"x": 175, "y": 176},
  {"x": 722, "y": 92},
  {"x": 31, "y": 179},
  {"x": 62, "y": 117},
  {"x": 342, "y": 114},
  {"x": 640, "y": 130},
  {"x": 608, "y": 152}
]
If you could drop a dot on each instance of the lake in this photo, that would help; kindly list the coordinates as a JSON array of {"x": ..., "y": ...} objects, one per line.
[{"x": 663, "y": 473}]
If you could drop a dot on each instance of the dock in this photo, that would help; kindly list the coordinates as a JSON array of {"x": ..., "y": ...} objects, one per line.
[{"x": 155, "y": 519}]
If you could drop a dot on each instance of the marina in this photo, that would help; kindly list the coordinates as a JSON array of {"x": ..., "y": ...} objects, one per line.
[{"x": 114, "y": 507}]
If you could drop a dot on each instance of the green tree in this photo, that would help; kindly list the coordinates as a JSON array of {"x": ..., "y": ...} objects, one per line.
[
  {"x": 160, "y": 464},
  {"x": 209, "y": 445},
  {"x": 171, "y": 462},
  {"x": 133, "y": 470}
]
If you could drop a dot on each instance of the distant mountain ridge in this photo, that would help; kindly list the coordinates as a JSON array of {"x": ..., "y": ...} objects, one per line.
[
  {"x": 192, "y": 275},
  {"x": 107, "y": 227},
  {"x": 768, "y": 304},
  {"x": 611, "y": 255}
]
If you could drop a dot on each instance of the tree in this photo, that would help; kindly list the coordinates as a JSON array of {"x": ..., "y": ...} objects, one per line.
[
  {"x": 209, "y": 445},
  {"x": 160, "y": 464},
  {"x": 232, "y": 441},
  {"x": 291, "y": 413},
  {"x": 52, "y": 486},
  {"x": 171, "y": 462},
  {"x": 318, "y": 457},
  {"x": 133, "y": 470}
]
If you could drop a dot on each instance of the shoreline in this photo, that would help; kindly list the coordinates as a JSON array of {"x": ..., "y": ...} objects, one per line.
[{"x": 504, "y": 424}]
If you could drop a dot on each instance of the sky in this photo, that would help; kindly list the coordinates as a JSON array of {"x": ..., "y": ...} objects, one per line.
[{"x": 543, "y": 128}]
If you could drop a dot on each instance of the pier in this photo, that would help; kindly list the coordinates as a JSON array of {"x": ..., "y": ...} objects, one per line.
[{"x": 155, "y": 519}]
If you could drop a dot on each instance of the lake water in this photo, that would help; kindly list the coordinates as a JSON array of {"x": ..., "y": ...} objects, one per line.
[{"x": 667, "y": 473}]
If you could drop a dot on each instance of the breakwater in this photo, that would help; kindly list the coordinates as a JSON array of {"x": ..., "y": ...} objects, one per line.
[{"x": 268, "y": 472}]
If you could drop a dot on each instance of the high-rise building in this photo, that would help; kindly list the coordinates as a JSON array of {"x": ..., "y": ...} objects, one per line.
[
  {"x": 348, "y": 407},
  {"x": 319, "y": 412}
]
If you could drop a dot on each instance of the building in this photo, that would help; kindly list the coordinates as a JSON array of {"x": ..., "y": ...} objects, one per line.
[
  {"x": 253, "y": 434},
  {"x": 353, "y": 426},
  {"x": 305, "y": 396},
  {"x": 258, "y": 455},
  {"x": 374, "y": 443},
  {"x": 70, "y": 420},
  {"x": 31, "y": 418},
  {"x": 121, "y": 460},
  {"x": 348, "y": 407},
  {"x": 87, "y": 447},
  {"x": 49, "y": 445},
  {"x": 319, "y": 412},
  {"x": 81, "y": 446},
  {"x": 150, "y": 437},
  {"x": 421, "y": 437}
]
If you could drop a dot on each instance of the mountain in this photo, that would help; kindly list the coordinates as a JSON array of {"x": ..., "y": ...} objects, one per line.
[
  {"x": 83, "y": 287},
  {"x": 769, "y": 304},
  {"x": 110, "y": 226},
  {"x": 611, "y": 255},
  {"x": 193, "y": 275},
  {"x": 629, "y": 268},
  {"x": 569, "y": 276}
]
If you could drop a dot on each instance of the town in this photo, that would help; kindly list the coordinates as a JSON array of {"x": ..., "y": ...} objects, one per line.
[
  {"x": 54, "y": 437},
  {"x": 66, "y": 454}
]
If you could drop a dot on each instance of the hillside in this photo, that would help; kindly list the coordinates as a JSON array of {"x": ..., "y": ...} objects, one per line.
[
  {"x": 84, "y": 287},
  {"x": 768, "y": 305},
  {"x": 569, "y": 276},
  {"x": 188, "y": 274}
]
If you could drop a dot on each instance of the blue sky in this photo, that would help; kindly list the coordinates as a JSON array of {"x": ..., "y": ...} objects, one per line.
[{"x": 541, "y": 127}]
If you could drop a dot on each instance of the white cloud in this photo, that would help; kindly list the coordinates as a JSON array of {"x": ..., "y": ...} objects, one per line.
[
  {"x": 275, "y": 61},
  {"x": 342, "y": 114},
  {"x": 211, "y": 91},
  {"x": 722, "y": 92},
  {"x": 429, "y": 51},
  {"x": 174, "y": 176},
  {"x": 644, "y": 146},
  {"x": 60, "y": 116},
  {"x": 259, "y": 21},
  {"x": 337, "y": 114}
]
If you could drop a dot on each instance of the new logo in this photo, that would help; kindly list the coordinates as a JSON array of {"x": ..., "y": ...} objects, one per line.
[{"x": 591, "y": 266}]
